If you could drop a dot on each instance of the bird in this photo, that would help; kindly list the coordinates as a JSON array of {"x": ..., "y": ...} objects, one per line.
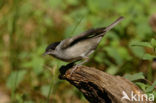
[{"x": 80, "y": 46}]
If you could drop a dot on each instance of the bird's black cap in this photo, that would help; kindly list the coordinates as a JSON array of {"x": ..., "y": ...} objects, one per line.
[{"x": 52, "y": 46}]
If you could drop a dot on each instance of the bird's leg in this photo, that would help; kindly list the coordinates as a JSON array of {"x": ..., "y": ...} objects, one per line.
[{"x": 77, "y": 65}]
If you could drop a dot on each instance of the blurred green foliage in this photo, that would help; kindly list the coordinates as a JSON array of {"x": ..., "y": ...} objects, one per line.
[{"x": 28, "y": 26}]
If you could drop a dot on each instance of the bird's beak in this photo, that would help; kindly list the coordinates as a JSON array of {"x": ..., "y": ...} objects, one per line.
[{"x": 45, "y": 53}]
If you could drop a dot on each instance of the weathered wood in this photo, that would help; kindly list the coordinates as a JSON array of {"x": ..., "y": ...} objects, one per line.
[{"x": 98, "y": 86}]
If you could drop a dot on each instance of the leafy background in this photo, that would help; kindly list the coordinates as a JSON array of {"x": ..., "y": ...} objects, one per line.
[{"x": 28, "y": 26}]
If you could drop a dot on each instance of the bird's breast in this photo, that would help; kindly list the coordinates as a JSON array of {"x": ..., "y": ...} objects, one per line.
[{"x": 78, "y": 50}]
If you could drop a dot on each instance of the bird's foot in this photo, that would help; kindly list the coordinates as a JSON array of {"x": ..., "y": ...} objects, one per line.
[{"x": 76, "y": 66}]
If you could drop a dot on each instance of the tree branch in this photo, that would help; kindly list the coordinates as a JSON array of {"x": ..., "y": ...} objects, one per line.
[{"x": 98, "y": 86}]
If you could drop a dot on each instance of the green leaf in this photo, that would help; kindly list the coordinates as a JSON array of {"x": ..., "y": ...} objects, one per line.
[
  {"x": 15, "y": 78},
  {"x": 148, "y": 57},
  {"x": 142, "y": 29},
  {"x": 137, "y": 43},
  {"x": 138, "y": 51},
  {"x": 92, "y": 5},
  {"x": 112, "y": 52},
  {"x": 45, "y": 90},
  {"x": 99, "y": 57},
  {"x": 112, "y": 70},
  {"x": 151, "y": 88},
  {"x": 124, "y": 53},
  {"x": 153, "y": 42},
  {"x": 134, "y": 77},
  {"x": 141, "y": 85},
  {"x": 37, "y": 65}
]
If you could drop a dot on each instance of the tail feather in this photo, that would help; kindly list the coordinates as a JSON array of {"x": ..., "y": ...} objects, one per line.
[
  {"x": 113, "y": 24},
  {"x": 101, "y": 31}
]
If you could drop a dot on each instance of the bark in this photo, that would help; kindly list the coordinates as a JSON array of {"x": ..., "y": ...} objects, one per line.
[{"x": 98, "y": 86}]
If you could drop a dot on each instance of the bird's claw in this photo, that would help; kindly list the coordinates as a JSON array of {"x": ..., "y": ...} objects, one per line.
[{"x": 74, "y": 69}]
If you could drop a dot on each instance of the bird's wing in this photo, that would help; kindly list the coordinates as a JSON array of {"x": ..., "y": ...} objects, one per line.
[{"x": 89, "y": 33}]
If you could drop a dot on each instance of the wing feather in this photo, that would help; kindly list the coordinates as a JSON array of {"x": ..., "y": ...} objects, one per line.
[{"x": 89, "y": 33}]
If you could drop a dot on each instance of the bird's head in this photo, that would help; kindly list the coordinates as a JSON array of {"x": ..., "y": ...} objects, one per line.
[{"x": 51, "y": 48}]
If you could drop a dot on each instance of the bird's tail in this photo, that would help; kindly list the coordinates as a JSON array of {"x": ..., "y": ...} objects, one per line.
[
  {"x": 113, "y": 24},
  {"x": 101, "y": 31}
]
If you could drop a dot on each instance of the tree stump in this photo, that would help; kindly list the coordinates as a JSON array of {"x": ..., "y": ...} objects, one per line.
[{"x": 98, "y": 86}]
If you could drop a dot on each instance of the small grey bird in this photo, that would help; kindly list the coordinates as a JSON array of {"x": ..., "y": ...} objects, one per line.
[{"x": 79, "y": 47}]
